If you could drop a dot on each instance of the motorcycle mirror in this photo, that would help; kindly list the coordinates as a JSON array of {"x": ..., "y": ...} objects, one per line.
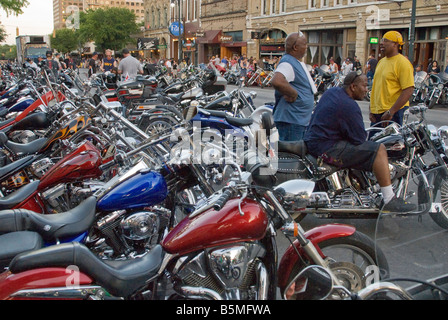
[
  {"x": 312, "y": 283},
  {"x": 297, "y": 189}
]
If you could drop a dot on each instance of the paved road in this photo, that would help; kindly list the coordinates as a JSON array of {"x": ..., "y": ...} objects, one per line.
[{"x": 414, "y": 246}]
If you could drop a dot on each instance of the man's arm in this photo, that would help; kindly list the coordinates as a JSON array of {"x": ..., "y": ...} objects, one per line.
[
  {"x": 280, "y": 83},
  {"x": 401, "y": 101}
]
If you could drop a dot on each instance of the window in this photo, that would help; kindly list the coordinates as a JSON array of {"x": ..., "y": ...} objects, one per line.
[
  {"x": 312, "y": 4},
  {"x": 273, "y": 6},
  {"x": 282, "y": 6},
  {"x": 324, "y": 3},
  {"x": 264, "y": 7}
]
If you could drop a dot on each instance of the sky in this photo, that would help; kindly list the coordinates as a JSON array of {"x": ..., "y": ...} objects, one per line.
[{"x": 37, "y": 19}]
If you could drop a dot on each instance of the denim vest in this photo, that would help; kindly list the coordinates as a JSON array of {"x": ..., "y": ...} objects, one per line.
[{"x": 299, "y": 112}]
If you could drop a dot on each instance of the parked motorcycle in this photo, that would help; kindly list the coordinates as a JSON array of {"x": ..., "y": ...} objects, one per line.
[
  {"x": 413, "y": 149},
  {"x": 437, "y": 90},
  {"x": 224, "y": 250}
]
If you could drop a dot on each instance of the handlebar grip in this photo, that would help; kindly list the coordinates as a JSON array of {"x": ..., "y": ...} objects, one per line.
[
  {"x": 222, "y": 200},
  {"x": 108, "y": 165}
]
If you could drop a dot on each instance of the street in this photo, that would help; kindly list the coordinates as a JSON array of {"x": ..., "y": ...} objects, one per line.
[{"x": 415, "y": 246}]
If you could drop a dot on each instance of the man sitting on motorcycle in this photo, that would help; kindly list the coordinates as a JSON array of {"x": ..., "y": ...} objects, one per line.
[{"x": 337, "y": 136}]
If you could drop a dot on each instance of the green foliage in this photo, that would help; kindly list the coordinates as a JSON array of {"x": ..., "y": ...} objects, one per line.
[
  {"x": 8, "y": 52},
  {"x": 3, "y": 34},
  {"x": 13, "y": 6},
  {"x": 109, "y": 28},
  {"x": 65, "y": 40}
]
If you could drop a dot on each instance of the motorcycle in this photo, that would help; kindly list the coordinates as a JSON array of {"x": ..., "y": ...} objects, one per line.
[
  {"x": 224, "y": 250},
  {"x": 413, "y": 149},
  {"x": 437, "y": 90}
]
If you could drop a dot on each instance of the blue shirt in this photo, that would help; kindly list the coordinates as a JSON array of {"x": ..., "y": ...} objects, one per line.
[
  {"x": 337, "y": 117},
  {"x": 299, "y": 112}
]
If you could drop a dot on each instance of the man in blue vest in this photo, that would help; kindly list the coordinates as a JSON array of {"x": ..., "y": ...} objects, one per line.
[{"x": 294, "y": 90}]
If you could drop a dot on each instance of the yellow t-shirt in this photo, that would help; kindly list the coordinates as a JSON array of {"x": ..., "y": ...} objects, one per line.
[{"x": 392, "y": 76}]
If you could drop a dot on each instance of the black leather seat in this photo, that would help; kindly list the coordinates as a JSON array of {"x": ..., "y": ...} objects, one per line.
[
  {"x": 13, "y": 199},
  {"x": 21, "y": 149},
  {"x": 121, "y": 278},
  {"x": 50, "y": 226},
  {"x": 295, "y": 147},
  {"x": 14, "y": 243},
  {"x": 12, "y": 168}
]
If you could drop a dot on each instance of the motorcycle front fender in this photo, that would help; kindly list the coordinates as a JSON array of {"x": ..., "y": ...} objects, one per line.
[{"x": 316, "y": 236}]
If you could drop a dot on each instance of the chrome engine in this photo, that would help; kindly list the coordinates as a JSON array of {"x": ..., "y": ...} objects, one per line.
[
  {"x": 130, "y": 234},
  {"x": 40, "y": 167},
  {"x": 231, "y": 272}
]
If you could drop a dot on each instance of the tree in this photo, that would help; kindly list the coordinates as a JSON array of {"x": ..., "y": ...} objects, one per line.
[
  {"x": 2, "y": 34},
  {"x": 13, "y": 6},
  {"x": 8, "y": 52},
  {"x": 65, "y": 40},
  {"x": 109, "y": 28}
]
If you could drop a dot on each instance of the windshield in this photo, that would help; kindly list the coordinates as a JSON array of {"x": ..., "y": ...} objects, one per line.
[
  {"x": 38, "y": 52},
  {"x": 415, "y": 243}
]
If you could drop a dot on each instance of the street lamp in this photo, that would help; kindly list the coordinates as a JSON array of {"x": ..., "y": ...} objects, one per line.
[{"x": 173, "y": 4}]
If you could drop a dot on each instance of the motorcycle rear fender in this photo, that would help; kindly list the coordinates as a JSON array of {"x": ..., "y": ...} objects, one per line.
[
  {"x": 40, "y": 279},
  {"x": 316, "y": 236}
]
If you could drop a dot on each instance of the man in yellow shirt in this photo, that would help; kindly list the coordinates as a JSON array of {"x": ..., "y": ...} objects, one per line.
[{"x": 393, "y": 83}]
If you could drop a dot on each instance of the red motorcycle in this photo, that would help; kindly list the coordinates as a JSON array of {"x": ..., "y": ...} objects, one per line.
[{"x": 225, "y": 250}]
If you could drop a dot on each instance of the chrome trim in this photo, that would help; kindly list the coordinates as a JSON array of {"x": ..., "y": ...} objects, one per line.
[{"x": 82, "y": 292}]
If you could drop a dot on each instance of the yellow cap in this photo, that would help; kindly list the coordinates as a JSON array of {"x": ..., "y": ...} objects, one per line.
[{"x": 394, "y": 36}]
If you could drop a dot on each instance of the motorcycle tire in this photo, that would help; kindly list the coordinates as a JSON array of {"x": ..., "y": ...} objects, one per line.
[
  {"x": 431, "y": 103},
  {"x": 441, "y": 217},
  {"x": 361, "y": 246}
]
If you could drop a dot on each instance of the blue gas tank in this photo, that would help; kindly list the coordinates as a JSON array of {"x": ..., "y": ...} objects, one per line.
[
  {"x": 144, "y": 189},
  {"x": 22, "y": 104}
]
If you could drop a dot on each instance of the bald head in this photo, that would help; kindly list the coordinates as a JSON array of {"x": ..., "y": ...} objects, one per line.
[{"x": 296, "y": 44}]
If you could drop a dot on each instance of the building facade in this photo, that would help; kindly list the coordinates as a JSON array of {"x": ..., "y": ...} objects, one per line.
[
  {"x": 348, "y": 28},
  {"x": 60, "y": 12},
  {"x": 334, "y": 28}
]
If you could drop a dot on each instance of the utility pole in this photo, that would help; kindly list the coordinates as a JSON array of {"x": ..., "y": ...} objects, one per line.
[{"x": 412, "y": 32}]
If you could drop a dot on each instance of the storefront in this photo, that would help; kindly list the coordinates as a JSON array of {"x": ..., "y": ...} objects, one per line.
[{"x": 272, "y": 43}]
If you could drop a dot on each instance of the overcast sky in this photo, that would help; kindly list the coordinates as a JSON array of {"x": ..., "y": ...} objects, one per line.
[{"x": 37, "y": 19}]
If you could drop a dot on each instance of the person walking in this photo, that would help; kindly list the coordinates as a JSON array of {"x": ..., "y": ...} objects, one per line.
[
  {"x": 129, "y": 66},
  {"x": 294, "y": 90},
  {"x": 393, "y": 83},
  {"x": 93, "y": 64}
]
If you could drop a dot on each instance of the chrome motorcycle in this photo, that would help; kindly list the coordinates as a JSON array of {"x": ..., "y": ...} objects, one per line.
[{"x": 414, "y": 149}]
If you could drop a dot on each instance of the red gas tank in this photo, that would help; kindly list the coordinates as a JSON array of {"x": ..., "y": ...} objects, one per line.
[
  {"x": 212, "y": 228},
  {"x": 83, "y": 163}
]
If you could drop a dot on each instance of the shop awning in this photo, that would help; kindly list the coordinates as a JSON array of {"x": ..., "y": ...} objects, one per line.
[{"x": 211, "y": 36}]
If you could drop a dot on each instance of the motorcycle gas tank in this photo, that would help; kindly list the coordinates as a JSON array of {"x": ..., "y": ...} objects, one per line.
[
  {"x": 192, "y": 93},
  {"x": 35, "y": 121},
  {"x": 212, "y": 228},
  {"x": 144, "y": 189},
  {"x": 21, "y": 105},
  {"x": 224, "y": 103},
  {"x": 83, "y": 163},
  {"x": 174, "y": 88},
  {"x": 67, "y": 131},
  {"x": 395, "y": 146}
]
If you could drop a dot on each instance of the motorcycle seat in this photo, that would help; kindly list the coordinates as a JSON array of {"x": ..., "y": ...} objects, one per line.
[
  {"x": 18, "y": 196},
  {"x": 295, "y": 147},
  {"x": 4, "y": 123},
  {"x": 21, "y": 149},
  {"x": 14, "y": 243},
  {"x": 11, "y": 168},
  {"x": 4, "y": 112},
  {"x": 50, "y": 226},
  {"x": 238, "y": 122},
  {"x": 120, "y": 278}
]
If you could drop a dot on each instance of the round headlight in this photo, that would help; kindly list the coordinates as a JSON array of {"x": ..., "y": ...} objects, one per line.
[{"x": 440, "y": 86}]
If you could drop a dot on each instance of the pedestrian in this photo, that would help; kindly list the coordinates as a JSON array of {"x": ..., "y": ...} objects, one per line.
[
  {"x": 108, "y": 62},
  {"x": 356, "y": 64},
  {"x": 434, "y": 68},
  {"x": 346, "y": 67},
  {"x": 174, "y": 67},
  {"x": 92, "y": 64},
  {"x": 337, "y": 136},
  {"x": 371, "y": 67},
  {"x": 393, "y": 83},
  {"x": 244, "y": 66},
  {"x": 294, "y": 90},
  {"x": 129, "y": 67},
  {"x": 51, "y": 64},
  {"x": 334, "y": 68}
]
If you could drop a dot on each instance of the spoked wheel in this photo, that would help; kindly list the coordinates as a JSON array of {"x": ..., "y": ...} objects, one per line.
[
  {"x": 158, "y": 126},
  {"x": 354, "y": 260},
  {"x": 441, "y": 216}
]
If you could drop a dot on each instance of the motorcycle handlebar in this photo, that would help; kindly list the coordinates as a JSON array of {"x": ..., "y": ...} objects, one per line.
[{"x": 222, "y": 200}]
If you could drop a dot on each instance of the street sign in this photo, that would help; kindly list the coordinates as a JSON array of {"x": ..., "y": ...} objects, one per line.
[
  {"x": 174, "y": 29},
  {"x": 374, "y": 40},
  {"x": 147, "y": 43}
]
